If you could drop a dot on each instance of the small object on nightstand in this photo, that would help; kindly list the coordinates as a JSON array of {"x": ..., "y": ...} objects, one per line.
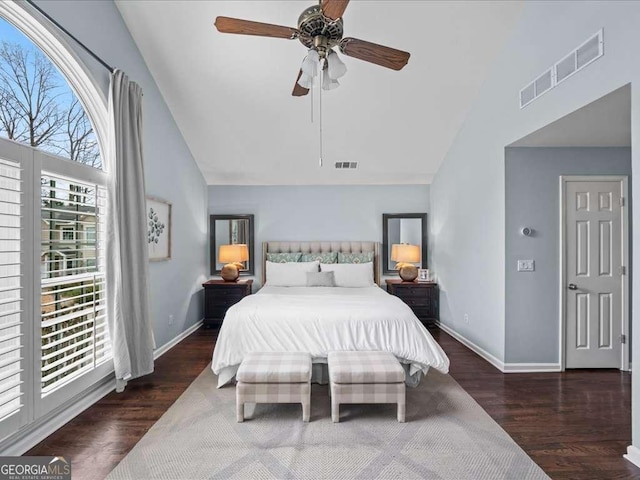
[
  {"x": 423, "y": 275},
  {"x": 219, "y": 295},
  {"x": 422, "y": 297}
]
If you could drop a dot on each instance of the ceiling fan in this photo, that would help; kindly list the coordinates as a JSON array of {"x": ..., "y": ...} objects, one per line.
[{"x": 320, "y": 29}]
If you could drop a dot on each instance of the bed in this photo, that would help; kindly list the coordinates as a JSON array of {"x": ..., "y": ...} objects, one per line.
[{"x": 322, "y": 319}]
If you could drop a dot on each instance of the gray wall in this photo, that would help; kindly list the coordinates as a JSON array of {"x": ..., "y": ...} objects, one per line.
[
  {"x": 532, "y": 200},
  {"x": 170, "y": 170},
  {"x": 341, "y": 212},
  {"x": 468, "y": 192}
]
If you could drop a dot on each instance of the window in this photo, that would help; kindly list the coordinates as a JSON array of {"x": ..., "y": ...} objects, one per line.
[
  {"x": 52, "y": 217},
  {"x": 74, "y": 329},
  {"x": 68, "y": 235},
  {"x": 90, "y": 234},
  {"x": 49, "y": 117}
]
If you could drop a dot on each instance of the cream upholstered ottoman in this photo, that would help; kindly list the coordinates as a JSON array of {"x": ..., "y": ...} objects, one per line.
[
  {"x": 274, "y": 377},
  {"x": 365, "y": 377}
]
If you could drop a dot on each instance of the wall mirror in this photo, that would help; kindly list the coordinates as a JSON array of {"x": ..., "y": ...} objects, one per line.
[
  {"x": 408, "y": 228},
  {"x": 231, "y": 230}
]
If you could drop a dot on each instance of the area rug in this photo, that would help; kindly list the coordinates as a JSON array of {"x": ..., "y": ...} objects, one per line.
[{"x": 447, "y": 436}]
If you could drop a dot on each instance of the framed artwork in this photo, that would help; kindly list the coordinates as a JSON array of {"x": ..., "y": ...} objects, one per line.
[{"x": 158, "y": 229}]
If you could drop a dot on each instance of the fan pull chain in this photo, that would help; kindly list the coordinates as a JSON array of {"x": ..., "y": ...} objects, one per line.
[
  {"x": 311, "y": 92},
  {"x": 320, "y": 112}
]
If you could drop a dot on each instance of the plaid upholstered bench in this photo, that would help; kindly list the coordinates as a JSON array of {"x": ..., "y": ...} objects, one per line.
[
  {"x": 274, "y": 377},
  {"x": 365, "y": 377}
]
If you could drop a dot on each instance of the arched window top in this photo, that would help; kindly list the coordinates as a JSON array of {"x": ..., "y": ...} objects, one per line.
[{"x": 47, "y": 99}]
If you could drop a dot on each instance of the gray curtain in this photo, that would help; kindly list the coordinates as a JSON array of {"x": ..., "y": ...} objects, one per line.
[{"x": 130, "y": 325}]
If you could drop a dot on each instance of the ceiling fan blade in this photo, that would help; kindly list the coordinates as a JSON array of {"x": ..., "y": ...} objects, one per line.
[
  {"x": 299, "y": 91},
  {"x": 374, "y": 53},
  {"x": 334, "y": 9},
  {"x": 247, "y": 27}
]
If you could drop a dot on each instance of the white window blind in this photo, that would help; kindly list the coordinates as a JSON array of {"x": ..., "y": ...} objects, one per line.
[
  {"x": 11, "y": 331},
  {"x": 73, "y": 304}
]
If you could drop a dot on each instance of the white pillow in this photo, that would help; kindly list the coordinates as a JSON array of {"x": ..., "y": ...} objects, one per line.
[
  {"x": 291, "y": 274},
  {"x": 350, "y": 274},
  {"x": 321, "y": 279}
]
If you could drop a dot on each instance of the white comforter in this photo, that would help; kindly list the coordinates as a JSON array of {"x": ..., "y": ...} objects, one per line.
[{"x": 320, "y": 319}]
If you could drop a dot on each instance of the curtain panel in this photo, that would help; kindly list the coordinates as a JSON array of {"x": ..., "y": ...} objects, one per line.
[{"x": 130, "y": 326}]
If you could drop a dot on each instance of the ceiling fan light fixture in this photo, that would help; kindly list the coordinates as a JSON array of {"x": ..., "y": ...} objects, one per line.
[
  {"x": 336, "y": 67},
  {"x": 329, "y": 83},
  {"x": 305, "y": 81},
  {"x": 310, "y": 64}
]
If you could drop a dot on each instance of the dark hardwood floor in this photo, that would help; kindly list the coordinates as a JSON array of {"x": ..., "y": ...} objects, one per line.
[
  {"x": 575, "y": 425},
  {"x": 97, "y": 439}
]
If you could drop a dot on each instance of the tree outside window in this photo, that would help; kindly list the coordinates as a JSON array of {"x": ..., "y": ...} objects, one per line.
[{"x": 37, "y": 106}]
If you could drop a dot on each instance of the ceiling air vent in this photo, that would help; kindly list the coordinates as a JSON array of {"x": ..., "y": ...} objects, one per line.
[
  {"x": 570, "y": 64},
  {"x": 344, "y": 165}
]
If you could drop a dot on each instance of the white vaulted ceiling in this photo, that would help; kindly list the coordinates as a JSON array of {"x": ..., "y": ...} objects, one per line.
[{"x": 231, "y": 94}]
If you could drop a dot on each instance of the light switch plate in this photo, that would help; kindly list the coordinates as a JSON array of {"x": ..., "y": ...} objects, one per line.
[{"x": 526, "y": 265}]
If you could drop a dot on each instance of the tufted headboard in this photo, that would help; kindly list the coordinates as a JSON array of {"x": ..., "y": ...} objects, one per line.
[{"x": 322, "y": 247}]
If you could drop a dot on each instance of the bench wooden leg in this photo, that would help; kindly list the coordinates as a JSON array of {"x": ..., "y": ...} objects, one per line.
[
  {"x": 306, "y": 411},
  {"x": 240, "y": 412},
  {"x": 401, "y": 411},
  {"x": 335, "y": 411}
]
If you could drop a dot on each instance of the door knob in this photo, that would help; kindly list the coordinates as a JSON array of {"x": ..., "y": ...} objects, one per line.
[{"x": 573, "y": 286}]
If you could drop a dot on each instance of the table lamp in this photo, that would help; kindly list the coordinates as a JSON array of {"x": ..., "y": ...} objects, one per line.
[
  {"x": 232, "y": 256},
  {"x": 405, "y": 255}
]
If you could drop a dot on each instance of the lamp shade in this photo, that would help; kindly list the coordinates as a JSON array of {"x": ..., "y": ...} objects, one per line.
[
  {"x": 328, "y": 83},
  {"x": 405, "y": 253},
  {"x": 336, "y": 67},
  {"x": 311, "y": 63},
  {"x": 233, "y": 253},
  {"x": 305, "y": 81}
]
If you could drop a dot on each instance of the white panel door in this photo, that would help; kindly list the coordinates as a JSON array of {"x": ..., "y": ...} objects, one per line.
[{"x": 594, "y": 287}]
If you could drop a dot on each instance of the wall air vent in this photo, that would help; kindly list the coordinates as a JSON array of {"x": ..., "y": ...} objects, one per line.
[
  {"x": 527, "y": 94},
  {"x": 345, "y": 165},
  {"x": 570, "y": 64},
  {"x": 566, "y": 67}
]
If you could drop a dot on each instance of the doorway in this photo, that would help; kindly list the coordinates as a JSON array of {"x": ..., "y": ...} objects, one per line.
[{"x": 593, "y": 141}]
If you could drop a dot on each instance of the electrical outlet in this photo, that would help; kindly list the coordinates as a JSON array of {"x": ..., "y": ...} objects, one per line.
[
  {"x": 526, "y": 265},
  {"x": 466, "y": 318},
  {"x": 170, "y": 319}
]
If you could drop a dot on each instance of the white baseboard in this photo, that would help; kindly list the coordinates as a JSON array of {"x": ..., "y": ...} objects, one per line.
[
  {"x": 531, "y": 367},
  {"x": 158, "y": 352},
  {"x": 472, "y": 346},
  {"x": 33, "y": 434},
  {"x": 499, "y": 364},
  {"x": 23, "y": 441},
  {"x": 633, "y": 455}
]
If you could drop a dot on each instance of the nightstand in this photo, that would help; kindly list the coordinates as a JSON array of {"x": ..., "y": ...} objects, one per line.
[
  {"x": 422, "y": 297},
  {"x": 219, "y": 296}
]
